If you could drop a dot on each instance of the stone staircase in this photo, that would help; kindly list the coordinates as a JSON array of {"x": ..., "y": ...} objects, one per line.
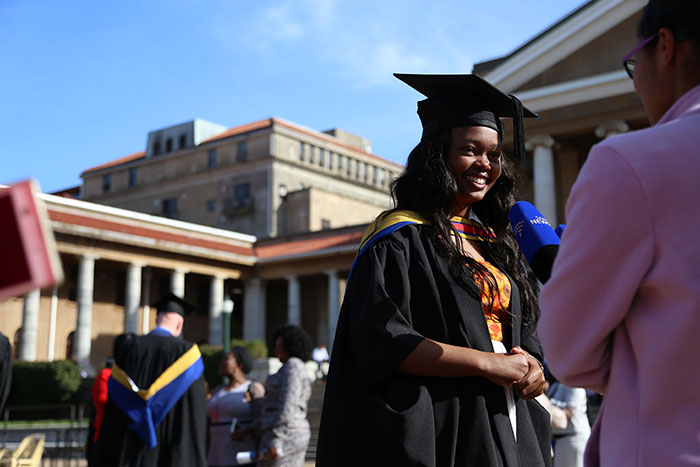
[{"x": 314, "y": 415}]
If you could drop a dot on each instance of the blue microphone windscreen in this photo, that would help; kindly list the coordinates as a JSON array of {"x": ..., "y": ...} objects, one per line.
[
  {"x": 560, "y": 230},
  {"x": 531, "y": 229}
]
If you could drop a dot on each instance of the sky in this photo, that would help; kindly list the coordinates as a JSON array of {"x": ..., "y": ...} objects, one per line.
[{"x": 83, "y": 82}]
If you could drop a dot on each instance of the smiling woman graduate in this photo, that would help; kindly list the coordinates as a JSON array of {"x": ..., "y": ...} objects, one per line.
[{"x": 435, "y": 361}]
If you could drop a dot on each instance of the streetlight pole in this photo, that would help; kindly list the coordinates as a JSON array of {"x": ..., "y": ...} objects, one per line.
[{"x": 227, "y": 310}]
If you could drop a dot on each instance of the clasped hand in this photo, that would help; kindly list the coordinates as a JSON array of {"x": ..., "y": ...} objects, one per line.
[{"x": 519, "y": 370}]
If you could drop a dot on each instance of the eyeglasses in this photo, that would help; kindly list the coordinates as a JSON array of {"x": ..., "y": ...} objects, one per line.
[{"x": 630, "y": 60}]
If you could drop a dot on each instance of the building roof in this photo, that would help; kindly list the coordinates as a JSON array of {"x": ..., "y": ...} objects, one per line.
[
  {"x": 318, "y": 243},
  {"x": 484, "y": 67},
  {"x": 123, "y": 160},
  {"x": 72, "y": 192},
  {"x": 111, "y": 224},
  {"x": 247, "y": 128}
]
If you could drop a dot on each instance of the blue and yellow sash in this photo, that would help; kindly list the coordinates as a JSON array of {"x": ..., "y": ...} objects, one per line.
[
  {"x": 386, "y": 224},
  {"x": 148, "y": 407}
]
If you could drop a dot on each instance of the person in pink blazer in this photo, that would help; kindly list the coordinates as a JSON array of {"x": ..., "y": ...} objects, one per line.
[{"x": 621, "y": 312}]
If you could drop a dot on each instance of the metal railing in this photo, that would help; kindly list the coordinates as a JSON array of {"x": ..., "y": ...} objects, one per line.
[{"x": 65, "y": 433}]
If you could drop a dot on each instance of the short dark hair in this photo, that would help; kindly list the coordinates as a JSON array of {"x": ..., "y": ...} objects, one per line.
[
  {"x": 680, "y": 16},
  {"x": 295, "y": 341},
  {"x": 243, "y": 357}
]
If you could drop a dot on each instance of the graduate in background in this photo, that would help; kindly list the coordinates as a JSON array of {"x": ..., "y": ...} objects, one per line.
[
  {"x": 155, "y": 414},
  {"x": 435, "y": 359},
  {"x": 5, "y": 369}
]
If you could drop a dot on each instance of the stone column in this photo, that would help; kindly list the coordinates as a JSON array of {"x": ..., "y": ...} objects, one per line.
[
  {"x": 177, "y": 282},
  {"x": 611, "y": 128},
  {"x": 333, "y": 304},
  {"x": 216, "y": 305},
  {"x": 254, "y": 310},
  {"x": 30, "y": 326},
  {"x": 293, "y": 300},
  {"x": 53, "y": 311},
  {"x": 544, "y": 177},
  {"x": 132, "y": 297},
  {"x": 83, "y": 333},
  {"x": 146, "y": 318}
]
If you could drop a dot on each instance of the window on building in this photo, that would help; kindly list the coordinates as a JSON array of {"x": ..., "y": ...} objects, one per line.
[
  {"x": 339, "y": 166},
  {"x": 375, "y": 174},
  {"x": 132, "y": 177},
  {"x": 212, "y": 159},
  {"x": 211, "y": 205},
  {"x": 183, "y": 142},
  {"x": 356, "y": 168},
  {"x": 242, "y": 193},
  {"x": 348, "y": 164},
  {"x": 169, "y": 207},
  {"x": 312, "y": 151},
  {"x": 106, "y": 183},
  {"x": 322, "y": 153},
  {"x": 365, "y": 172},
  {"x": 242, "y": 152},
  {"x": 156, "y": 147},
  {"x": 301, "y": 150},
  {"x": 325, "y": 224},
  {"x": 169, "y": 145}
]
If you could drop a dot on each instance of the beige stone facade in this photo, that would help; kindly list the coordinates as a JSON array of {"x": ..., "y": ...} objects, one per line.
[{"x": 239, "y": 179}]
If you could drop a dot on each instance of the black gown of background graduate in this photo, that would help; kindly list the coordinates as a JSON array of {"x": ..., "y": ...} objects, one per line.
[
  {"x": 399, "y": 292},
  {"x": 5, "y": 369},
  {"x": 181, "y": 434}
]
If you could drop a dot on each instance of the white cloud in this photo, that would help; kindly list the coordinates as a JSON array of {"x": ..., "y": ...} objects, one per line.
[{"x": 359, "y": 41}]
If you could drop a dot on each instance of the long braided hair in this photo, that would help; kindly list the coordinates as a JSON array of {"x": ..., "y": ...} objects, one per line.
[{"x": 428, "y": 187}]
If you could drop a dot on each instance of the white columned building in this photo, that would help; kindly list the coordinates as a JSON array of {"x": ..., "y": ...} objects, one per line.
[
  {"x": 30, "y": 326},
  {"x": 333, "y": 304},
  {"x": 614, "y": 127},
  {"x": 293, "y": 300},
  {"x": 146, "y": 318},
  {"x": 83, "y": 333},
  {"x": 132, "y": 297},
  {"x": 254, "y": 310},
  {"x": 216, "y": 306},
  {"x": 177, "y": 282},
  {"x": 53, "y": 312},
  {"x": 545, "y": 195}
]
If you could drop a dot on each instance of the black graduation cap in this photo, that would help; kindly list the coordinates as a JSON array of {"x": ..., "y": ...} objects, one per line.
[
  {"x": 463, "y": 100},
  {"x": 171, "y": 303}
]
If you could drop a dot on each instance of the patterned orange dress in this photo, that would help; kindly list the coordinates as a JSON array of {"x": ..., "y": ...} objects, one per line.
[{"x": 496, "y": 310}]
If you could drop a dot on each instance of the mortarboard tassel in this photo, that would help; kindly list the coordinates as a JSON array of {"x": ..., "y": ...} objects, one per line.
[{"x": 518, "y": 129}]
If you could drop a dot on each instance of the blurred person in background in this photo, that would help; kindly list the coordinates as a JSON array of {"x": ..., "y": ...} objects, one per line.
[
  {"x": 285, "y": 428},
  {"x": 238, "y": 400}
]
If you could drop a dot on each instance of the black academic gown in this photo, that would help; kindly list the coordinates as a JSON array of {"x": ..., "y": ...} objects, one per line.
[
  {"x": 181, "y": 434},
  {"x": 5, "y": 369},
  {"x": 399, "y": 292}
]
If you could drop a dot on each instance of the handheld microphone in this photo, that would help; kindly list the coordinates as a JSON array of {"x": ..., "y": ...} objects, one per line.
[
  {"x": 536, "y": 238},
  {"x": 560, "y": 230}
]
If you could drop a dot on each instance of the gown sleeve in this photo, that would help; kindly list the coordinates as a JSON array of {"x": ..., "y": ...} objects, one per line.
[{"x": 379, "y": 315}]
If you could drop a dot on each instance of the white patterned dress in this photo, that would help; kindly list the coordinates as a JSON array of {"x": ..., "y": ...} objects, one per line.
[{"x": 284, "y": 421}]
